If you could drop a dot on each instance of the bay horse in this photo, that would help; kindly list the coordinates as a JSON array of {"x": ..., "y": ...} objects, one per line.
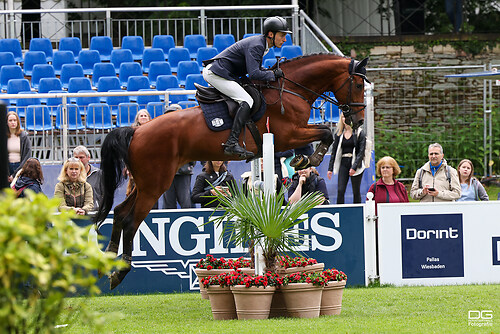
[{"x": 155, "y": 151}]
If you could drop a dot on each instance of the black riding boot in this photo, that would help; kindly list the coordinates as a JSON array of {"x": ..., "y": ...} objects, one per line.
[{"x": 232, "y": 147}]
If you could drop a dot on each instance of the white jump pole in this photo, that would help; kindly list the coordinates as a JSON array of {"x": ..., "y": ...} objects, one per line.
[{"x": 268, "y": 158}]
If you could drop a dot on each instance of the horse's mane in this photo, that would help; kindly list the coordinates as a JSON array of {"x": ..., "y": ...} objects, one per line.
[{"x": 329, "y": 55}]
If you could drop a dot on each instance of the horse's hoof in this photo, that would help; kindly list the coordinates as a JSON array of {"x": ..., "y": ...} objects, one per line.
[
  {"x": 114, "y": 280},
  {"x": 300, "y": 162}
]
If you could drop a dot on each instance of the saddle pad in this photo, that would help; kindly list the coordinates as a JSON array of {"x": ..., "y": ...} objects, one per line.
[{"x": 217, "y": 115}]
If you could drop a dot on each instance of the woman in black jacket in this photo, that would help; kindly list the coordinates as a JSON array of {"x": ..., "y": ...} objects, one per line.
[
  {"x": 30, "y": 177},
  {"x": 215, "y": 175}
]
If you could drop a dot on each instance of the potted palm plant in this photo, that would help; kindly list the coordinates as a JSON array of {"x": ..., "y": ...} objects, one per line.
[{"x": 263, "y": 219}]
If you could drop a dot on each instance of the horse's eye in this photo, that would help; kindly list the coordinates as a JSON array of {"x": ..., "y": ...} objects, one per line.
[{"x": 359, "y": 86}]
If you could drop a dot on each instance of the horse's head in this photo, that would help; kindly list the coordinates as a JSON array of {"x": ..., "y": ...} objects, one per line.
[{"x": 351, "y": 93}]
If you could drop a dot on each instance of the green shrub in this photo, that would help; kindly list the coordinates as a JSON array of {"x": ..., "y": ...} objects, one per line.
[{"x": 43, "y": 258}]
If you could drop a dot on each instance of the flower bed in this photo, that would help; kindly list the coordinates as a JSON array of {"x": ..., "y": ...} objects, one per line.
[{"x": 210, "y": 262}]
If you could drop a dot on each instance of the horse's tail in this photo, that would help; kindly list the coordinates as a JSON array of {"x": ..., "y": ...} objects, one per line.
[{"x": 114, "y": 158}]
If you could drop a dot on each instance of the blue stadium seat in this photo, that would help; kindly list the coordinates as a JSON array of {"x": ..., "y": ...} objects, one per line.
[
  {"x": 331, "y": 110},
  {"x": 31, "y": 58},
  {"x": 106, "y": 84},
  {"x": 143, "y": 100},
  {"x": 102, "y": 70},
  {"x": 38, "y": 118},
  {"x": 177, "y": 98},
  {"x": 222, "y": 41},
  {"x": 164, "y": 42},
  {"x": 155, "y": 109},
  {"x": 268, "y": 63},
  {"x": 127, "y": 70},
  {"x": 99, "y": 117},
  {"x": 87, "y": 58},
  {"x": 41, "y": 71},
  {"x": 134, "y": 44},
  {"x": 23, "y": 103},
  {"x": 15, "y": 86},
  {"x": 136, "y": 83},
  {"x": 151, "y": 55},
  {"x": 176, "y": 55},
  {"x": 44, "y": 45},
  {"x": 185, "y": 68},
  {"x": 8, "y": 72},
  {"x": 205, "y": 53},
  {"x": 114, "y": 101},
  {"x": 74, "y": 117},
  {"x": 7, "y": 58},
  {"x": 157, "y": 68},
  {"x": 12, "y": 45},
  {"x": 53, "y": 102},
  {"x": 104, "y": 45},
  {"x": 191, "y": 79},
  {"x": 315, "y": 117},
  {"x": 164, "y": 82},
  {"x": 83, "y": 102},
  {"x": 69, "y": 71},
  {"x": 120, "y": 56},
  {"x": 77, "y": 84},
  {"x": 126, "y": 114},
  {"x": 48, "y": 84},
  {"x": 73, "y": 44},
  {"x": 291, "y": 51},
  {"x": 61, "y": 58},
  {"x": 288, "y": 41},
  {"x": 192, "y": 43}
]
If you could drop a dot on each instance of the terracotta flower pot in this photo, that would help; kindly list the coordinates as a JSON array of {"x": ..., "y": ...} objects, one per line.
[
  {"x": 278, "y": 307},
  {"x": 252, "y": 302},
  {"x": 303, "y": 300},
  {"x": 312, "y": 268},
  {"x": 222, "y": 302},
  {"x": 331, "y": 301},
  {"x": 202, "y": 273}
]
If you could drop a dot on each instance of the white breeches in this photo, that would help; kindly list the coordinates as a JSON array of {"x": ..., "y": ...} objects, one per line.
[{"x": 227, "y": 87}]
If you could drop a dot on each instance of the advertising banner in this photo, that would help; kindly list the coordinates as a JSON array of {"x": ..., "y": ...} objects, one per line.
[
  {"x": 439, "y": 243},
  {"x": 169, "y": 243}
]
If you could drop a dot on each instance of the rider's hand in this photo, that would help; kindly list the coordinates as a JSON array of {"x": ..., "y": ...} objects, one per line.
[{"x": 278, "y": 73}]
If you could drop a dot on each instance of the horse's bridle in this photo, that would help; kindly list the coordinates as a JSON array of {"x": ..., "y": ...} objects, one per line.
[{"x": 346, "y": 107}]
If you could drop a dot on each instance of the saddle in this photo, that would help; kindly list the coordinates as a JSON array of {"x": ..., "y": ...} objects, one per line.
[{"x": 210, "y": 95}]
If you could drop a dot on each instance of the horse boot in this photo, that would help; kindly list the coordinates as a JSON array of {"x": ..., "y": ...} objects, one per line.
[{"x": 232, "y": 147}]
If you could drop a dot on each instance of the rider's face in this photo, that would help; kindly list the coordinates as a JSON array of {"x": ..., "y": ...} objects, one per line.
[{"x": 279, "y": 39}]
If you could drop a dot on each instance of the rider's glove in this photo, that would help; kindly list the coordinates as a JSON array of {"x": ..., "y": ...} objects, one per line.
[{"x": 278, "y": 73}]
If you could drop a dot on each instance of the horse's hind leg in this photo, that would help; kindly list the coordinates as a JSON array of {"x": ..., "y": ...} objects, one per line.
[
  {"x": 132, "y": 220},
  {"x": 316, "y": 158},
  {"x": 120, "y": 213}
]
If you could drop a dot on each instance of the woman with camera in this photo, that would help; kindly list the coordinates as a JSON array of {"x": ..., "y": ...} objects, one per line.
[{"x": 215, "y": 175}]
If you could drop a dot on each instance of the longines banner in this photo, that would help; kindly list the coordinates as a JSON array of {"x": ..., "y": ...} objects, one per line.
[
  {"x": 169, "y": 243},
  {"x": 439, "y": 243}
]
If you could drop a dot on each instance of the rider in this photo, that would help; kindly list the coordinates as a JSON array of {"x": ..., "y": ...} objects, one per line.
[{"x": 244, "y": 57}]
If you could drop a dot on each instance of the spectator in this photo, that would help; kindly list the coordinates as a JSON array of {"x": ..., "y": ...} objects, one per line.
[
  {"x": 248, "y": 183},
  {"x": 18, "y": 144},
  {"x": 93, "y": 174},
  {"x": 180, "y": 189},
  {"x": 346, "y": 160},
  {"x": 215, "y": 175},
  {"x": 472, "y": 189},
  {"x": 387, "y": 189},
  {"x": 29, "y": 177},
  {"x": 75, "y": 193},
  {"x": 306, "y": 181},
  {"x": 436, "y": 181},
  {"x": 141, "y": 118},
  {"x": 279, "y": 158}
]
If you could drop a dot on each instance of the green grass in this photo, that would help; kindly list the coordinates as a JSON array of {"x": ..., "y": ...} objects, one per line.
[{"x": 439, "y": 309}]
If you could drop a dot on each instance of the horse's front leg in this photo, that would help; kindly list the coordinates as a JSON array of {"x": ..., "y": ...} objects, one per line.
[{"x": 324, "y": 134}]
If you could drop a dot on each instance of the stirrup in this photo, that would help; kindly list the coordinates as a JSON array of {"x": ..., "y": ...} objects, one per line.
[{"x": 236, "y": 149}]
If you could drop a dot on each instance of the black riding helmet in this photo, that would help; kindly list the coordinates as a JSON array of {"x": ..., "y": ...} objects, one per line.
[{"x": 275, "y": 24}]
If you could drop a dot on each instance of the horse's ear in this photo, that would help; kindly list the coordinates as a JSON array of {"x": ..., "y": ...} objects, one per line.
[
  {"x": 361, "y": 66},
  {"x": 363, "y": 63}
]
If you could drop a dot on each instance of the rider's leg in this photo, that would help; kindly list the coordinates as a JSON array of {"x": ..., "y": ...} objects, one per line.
[{"x": 233, "y": 90}]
